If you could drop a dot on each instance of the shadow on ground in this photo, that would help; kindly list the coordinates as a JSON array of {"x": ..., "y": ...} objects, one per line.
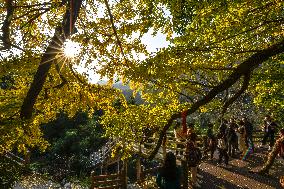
[{"x": 238, "y": 175}]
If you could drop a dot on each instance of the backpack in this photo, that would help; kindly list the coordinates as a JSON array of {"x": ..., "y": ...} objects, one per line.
[
  {"x": 193, "y": 157},
  {"x": 222, "y": 143}
]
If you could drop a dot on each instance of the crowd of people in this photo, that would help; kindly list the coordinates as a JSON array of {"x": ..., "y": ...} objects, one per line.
[{"x": 233, "y": 139}]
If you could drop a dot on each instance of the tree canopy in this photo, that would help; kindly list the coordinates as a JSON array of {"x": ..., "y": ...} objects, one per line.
[{"x": 218, "y": 50}]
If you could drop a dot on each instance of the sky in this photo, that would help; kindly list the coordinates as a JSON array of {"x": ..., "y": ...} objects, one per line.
[{"x": 153, "y": 43}]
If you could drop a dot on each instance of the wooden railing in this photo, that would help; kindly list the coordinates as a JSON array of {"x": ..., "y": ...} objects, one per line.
[{"x": 113, "y": 181}]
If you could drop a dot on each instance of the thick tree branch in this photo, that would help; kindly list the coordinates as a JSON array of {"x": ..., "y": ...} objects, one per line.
[
  {"x": 244, "y": 68},
  {"x": 61, "y": 33},
  {"x": 237, "y": 94}
]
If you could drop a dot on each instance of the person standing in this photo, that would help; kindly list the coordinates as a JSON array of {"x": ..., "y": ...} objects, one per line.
[
  {"x": 169, "y": 175},
  {"x": 248, "y": 132},
  {"x": 232, "y": 139},
  {"x": 269, "y": 131},
  {"x": 223, "y": 126},
  {"x": 222, "y": 148},
  {"x": 211, "y": 141},
  {"x": 193, "y": 157},
  {"x": 242, "y": 139}
]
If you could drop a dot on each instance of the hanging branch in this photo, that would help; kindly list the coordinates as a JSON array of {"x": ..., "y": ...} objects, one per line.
[
  {"x": 226, "y": 95},
  {"x": 244, "y": 68},
  {"x": 196, "y": 83},
  {"x": 215, "y": 68},
  {"x": 64, "y": 80},
  {"x": 35, "y": 5},
  {"x": 34, "y": 17},
  {"x": 29, "y": 12}
]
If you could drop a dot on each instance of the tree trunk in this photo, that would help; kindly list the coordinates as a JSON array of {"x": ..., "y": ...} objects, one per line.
[{"x": 62, "y": 32}]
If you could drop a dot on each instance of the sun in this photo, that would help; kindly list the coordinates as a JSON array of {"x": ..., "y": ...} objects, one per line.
[{"x": 71, "y": 49}]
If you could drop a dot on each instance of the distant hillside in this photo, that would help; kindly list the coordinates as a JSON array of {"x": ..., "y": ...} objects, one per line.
[{"x": 127, "y": 92}]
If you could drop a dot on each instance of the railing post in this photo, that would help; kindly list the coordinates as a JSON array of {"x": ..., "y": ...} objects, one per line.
[
  {"x": 138, "y": 165},
  {"x": 92, "y": 180},
  {"x": 101, "y": 167},
  {"x": 124, "y": 174},
  {"x": 118, "y": 168}
]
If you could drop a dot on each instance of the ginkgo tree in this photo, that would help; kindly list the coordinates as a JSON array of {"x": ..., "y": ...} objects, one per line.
[{"x": 216, "y": 46}]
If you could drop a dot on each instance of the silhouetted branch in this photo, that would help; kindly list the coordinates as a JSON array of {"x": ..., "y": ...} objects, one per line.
[{"x": 243, "y": 69}]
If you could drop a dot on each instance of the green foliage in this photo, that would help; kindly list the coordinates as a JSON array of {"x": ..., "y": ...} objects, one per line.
[
  {"x": 72, "y": 140},
  {"x": 10, "y": 172},
  {"x": 267, "y": 88}
]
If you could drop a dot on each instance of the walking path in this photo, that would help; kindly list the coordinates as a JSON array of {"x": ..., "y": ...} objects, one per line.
[{"x": 237, "y": 175}]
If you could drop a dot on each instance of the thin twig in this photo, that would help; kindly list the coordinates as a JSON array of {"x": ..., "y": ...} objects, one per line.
[
  {"x": 114, "y": 30},
  {"x": 164, "y": 86},
  {"x": 34, "y": 18}
]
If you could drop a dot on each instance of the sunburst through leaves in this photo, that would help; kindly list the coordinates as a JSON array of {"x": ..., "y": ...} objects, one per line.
[{"x": 71, "y": 49}]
